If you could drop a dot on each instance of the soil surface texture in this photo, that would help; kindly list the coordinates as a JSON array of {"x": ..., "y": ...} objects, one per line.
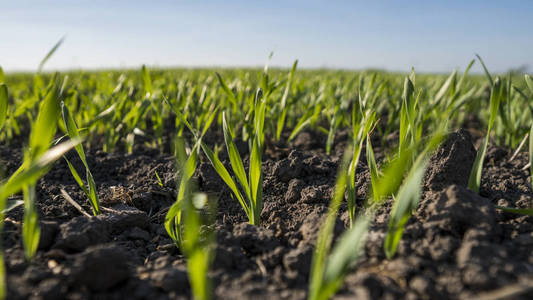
[{"x": 456, "y": 244}]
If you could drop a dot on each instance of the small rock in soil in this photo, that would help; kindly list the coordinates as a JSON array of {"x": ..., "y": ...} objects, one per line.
[
  {"x": 49, "y": 289},
  {"x": 299, "y": 260},
  {"x": 101, "y": 267},
  {"x": 138, "y": 234},
  {"x": 458, "y": 209},
  {"x": 424, "y": 288},
  {"x": 124, "y": 217},
  {"x": 254, "y": 239},
  {"x": 293, "y": 191},
  {"x": 312, "y": 224},
  {"x": 315, "y": 165},
  {"x": 34, "y": 274},
  {"x": 316, "y": 194},
  {"x": 82, "y": 232},
  {"x": 170, "y": 279},
  {"x": 287, "y": 168},
  {"x": 452, "y": 162},
  {"x": 49, "y": 231}
]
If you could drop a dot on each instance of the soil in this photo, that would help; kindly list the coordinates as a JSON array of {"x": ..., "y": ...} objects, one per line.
[{"x": 456, "y": 245}]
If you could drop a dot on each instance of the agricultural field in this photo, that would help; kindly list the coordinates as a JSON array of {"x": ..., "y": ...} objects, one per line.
[{"x": 266, "y": 184}]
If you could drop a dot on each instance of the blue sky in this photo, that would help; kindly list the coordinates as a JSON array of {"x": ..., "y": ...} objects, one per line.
[{"x": 432, "y": 36}]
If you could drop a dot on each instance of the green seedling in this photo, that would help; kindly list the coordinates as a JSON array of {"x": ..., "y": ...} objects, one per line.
[
  {"x": 186, "y": 228},
  {"x": 252, "y": 200},
  {"x": 20, "y": 180},
  {"x": 329, "y": 267},
  {"x": 529, "y": 82},
  {"x": 159, "y": 181},
  {"x": 520, "y": 211},
  {"x": 333, "y": 125},
  {"x": 360, "y": 132},
  {"x": 187, "y": 165},
  {"x": 199, "y": 248},
  {"x": 3, "y": 104},
  {"x": 283, "y": 106},
  {"x": 41, "y": 137},
  {"x": 531, "y": 154},
  {"x": 407, "y": 114},
  {"x": 474, "y": 181},
  {"x": 37, "y": 160},
  {"x": 49, "y": 54},
  {"x": 373, "y": 167},
  {"x": 90, "y": 188},
  {"x": 407, "y": 198}
]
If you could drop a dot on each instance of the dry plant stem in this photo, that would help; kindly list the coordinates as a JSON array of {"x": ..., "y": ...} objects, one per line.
[
  {"x": 75, "y": 204},
  {"x": 522, "y": 143}
]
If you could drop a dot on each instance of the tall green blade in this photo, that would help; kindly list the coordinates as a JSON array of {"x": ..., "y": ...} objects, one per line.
[
  {"x": 77, "y": 177},
  {"x": 487, "y": 73},
  {"x": 283, "y": 106},
  {"x": 347, "y": 250},
  {"x": 520, "y": 211},
  {"x": 21, "y": 179},
  {"x": 529, "y": 82},
  {"x": 406, "y": 201},
  {"x": 225, "y": 176},
  {"x": 3, "y": 104},
  {"x": 474, "y": 181},
  {"x": 73, "y": 133},
  {"x": 49, "y": 54},
  {"x": 45, "y": 126},
  {"x": 227, "y": 90},
  {"x": 531, "y": 154},
  {"x": 30, "y": 227},
  {"x": 235, "y": 157},
  {"x": 374, "y": 173},
  {"x": 317, "y": 281},
  {"x": 256, "y": 181},
  {"x": 147, "y": 81},
  {"x": 72, "y": 130}
]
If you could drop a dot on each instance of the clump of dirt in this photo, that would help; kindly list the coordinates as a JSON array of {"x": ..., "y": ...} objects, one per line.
[
  {"x": 452, "y": 162},
  {"x": 456, "y": 244}
]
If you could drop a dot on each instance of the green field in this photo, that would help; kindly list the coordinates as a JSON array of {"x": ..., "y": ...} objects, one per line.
[{"x": 389, "y": 122}]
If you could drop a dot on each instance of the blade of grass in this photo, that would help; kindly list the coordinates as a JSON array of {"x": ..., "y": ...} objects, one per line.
[
  {"x": 531, "y": 155},
  {"x": 49, "y": 54},
  {"x": 520, "y": 211},
  {"x": 487, "y": 73},
  {"x": 3, "y": 104},
  {"x": 73, "y": 133},
  {"x": 474, "y": 181},
  {"x": 372, "y": 166},
  {"x": 345, "y": 253},
  {"x": 323, "y": 245},
  {"x": 30, "y": 229},
  {"x": 283, "y": 106},
  {"x": 235, "y": 157},
  {"x": 529, "y": 82},
  {"x": 225, "y": 176},
  {"x": 147, "y": 81},
  {"x": 23, "y": 178},
  {"x": 227, "y": 90},
  {"x": 406, "y": 201}
]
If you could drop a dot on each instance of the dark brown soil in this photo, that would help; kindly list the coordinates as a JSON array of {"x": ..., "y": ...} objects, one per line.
[{"x": 456, "y": 245}]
